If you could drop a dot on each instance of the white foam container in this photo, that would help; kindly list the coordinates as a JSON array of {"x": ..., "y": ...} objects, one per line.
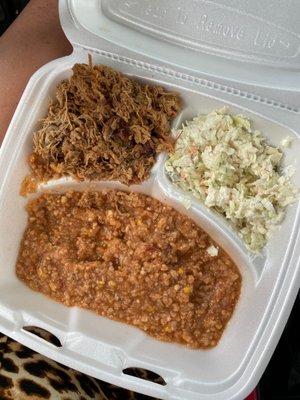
[{"x": 164, "y": 42}]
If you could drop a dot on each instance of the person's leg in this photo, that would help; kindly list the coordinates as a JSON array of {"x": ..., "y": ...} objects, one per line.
[{"x": 32, "y": 40}]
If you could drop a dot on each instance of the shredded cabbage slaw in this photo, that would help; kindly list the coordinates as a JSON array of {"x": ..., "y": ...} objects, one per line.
[{"x": 230, "y": 168}]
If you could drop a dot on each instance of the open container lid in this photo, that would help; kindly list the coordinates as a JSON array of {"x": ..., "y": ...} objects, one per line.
[
  {"x": 92, "y": 28},
  {"x": 251, "y": 44}
]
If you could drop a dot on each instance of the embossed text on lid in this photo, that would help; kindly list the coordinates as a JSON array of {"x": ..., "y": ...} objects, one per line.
[{"x": 210, "y": 26}]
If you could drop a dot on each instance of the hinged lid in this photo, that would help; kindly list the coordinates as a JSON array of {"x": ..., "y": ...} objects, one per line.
[
  {"x": 264, "y": 32},
  {"x": 249, "y": 42}
]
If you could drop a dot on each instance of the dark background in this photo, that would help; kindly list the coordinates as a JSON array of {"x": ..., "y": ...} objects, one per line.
[
  {"x": 281, "y": 380},
  {"x": 9, "y": 10}
]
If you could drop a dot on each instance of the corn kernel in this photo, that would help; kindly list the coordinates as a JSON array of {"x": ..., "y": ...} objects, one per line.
[{"x": 187, "y": 290}]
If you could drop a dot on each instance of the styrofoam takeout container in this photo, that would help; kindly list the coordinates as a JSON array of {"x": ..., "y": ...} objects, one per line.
[{"x": 243, "y": 54}]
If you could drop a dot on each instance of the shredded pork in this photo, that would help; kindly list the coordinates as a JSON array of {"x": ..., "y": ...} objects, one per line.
[{"x": 102, "y": 125}]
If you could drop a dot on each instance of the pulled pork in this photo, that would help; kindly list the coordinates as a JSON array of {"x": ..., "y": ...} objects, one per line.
[{"x": 102, "y": 126}]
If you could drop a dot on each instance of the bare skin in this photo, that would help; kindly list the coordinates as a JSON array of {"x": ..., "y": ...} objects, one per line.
[{"x": 34, "y": 39}]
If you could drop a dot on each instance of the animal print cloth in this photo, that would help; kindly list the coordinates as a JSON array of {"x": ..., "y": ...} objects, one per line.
[{"x": 27, "y": 375}]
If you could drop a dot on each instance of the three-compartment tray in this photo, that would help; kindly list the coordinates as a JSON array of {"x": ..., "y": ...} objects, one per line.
[{"x": 104, "y": 348}]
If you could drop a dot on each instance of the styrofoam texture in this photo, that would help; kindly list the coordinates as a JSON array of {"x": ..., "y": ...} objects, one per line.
[
  {"x": 103, "y": 348},
  {"x": 236, "y": 60},
  {"x": 268, "y": 34}
]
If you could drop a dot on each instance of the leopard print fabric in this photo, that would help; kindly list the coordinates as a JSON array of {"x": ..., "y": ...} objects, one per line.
[{"x": 27, "y": 375}]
